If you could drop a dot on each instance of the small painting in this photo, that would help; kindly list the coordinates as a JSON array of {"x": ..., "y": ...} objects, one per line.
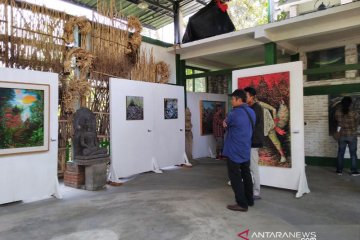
[
  {"x": 134, "y": 108},
  {"x": 207, "y": 111},
  {"x": 171, "y": 108},
  {"x": 24, "y": 118}
]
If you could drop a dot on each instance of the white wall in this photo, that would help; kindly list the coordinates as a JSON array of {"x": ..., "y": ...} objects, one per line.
[
  {"x": 162, "y": 54},
  {"x": 31, "y": 176},
  {"x": 201, "y": 144}
]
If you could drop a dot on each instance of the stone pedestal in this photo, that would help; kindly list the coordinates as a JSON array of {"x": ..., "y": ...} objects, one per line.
[
  {"x": 95, "y": 176},
  {"x": 95, "y": 173},
  {"x": 74, "y": 175}
]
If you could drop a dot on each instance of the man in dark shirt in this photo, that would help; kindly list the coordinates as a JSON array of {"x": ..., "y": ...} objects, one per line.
[
  {"x": 257, "y": 140},
  {"x": 239, "y": 124}
]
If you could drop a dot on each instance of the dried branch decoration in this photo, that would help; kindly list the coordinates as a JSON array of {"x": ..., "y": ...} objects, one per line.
[
  {"x": 135, "y": 40},
  {"x": 162, "y": 71},
  {"x": 84, "y": 27}
]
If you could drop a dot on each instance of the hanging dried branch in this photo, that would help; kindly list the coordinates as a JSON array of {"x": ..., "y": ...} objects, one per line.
[
  {"x": 163, "y": 72},
  {"x": 135, "y": 39},
  {"x": 84, "y": 28}
]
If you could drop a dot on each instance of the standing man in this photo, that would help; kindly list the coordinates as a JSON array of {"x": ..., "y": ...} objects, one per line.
[
  {"x": 348, "y": 121},
  {"x": 218, "y": 130},
  {"x": 239, "y": 125},
  {"x": 257, "y": 139}
]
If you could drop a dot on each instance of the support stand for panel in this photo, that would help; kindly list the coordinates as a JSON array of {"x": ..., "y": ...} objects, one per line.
[
  {"x": 187, "y": 162},
  {"x": 155, "y": 165},
  {"x": 212, "y": 155},
  {"x": 303, "y": 185},
  {"x": 57, "y": 193}
]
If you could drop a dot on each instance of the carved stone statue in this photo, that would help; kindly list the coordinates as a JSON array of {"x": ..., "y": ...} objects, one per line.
[{"x": 85, "y": 142}]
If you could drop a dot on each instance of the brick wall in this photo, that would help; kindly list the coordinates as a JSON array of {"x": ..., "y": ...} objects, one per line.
[{"x": 318, "y": 143}]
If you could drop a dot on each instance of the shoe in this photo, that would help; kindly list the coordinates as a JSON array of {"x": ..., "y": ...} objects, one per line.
[
  {"x": 355, "y": 174},
  {"x": 236, "y": 208},
  {"x": 251, "y": 204},
  {"x": 257, "y": 197},
  {"x": 339, "y": 173}
]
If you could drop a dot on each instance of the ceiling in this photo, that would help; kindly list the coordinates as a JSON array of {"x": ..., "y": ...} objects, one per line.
[
  {"x": 235, "y": 59},
  {"x": 157, "y": 15}
]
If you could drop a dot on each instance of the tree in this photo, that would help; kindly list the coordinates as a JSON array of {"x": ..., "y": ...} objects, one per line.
[{"x": 248, "y": 13}]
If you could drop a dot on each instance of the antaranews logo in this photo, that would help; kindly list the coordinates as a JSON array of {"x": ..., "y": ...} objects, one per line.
[{"x": 247, "y": 235}]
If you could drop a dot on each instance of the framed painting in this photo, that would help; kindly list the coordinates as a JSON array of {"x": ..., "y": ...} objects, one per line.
[
  {"x": 24, "y": 118},
  {"x": 273, "y": 94},
  {"x": 171, "y": 108},
  {"x": 134, "y": 108},
  {"x": 207, "y": 111}
]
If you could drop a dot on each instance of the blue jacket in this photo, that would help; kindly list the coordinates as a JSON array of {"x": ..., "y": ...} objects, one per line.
[{"x": 237, "y": 145}]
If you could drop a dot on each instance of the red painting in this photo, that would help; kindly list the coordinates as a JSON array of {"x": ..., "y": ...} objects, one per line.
[{"x": 273, "y": 93}]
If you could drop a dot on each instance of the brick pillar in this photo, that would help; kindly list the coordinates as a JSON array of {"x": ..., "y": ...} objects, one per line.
[
  {"x": 351, "y": 57},
  {"x": 74, "y": 175}
]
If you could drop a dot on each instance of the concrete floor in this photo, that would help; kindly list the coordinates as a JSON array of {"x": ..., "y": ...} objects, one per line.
[{"x": 188, "y": 204}]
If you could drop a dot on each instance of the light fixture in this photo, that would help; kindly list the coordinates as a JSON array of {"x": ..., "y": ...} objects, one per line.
[{"x": 143, "y": 5}]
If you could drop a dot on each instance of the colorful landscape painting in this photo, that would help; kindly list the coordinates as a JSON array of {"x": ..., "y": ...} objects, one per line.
[
  {"x": 171, "y": 108},
  {"x": 23, "y": 118},
  {"x": 207, "y": 111},
  {"x": 134, "y": 108},
  {"x": 273, "y": 93}
]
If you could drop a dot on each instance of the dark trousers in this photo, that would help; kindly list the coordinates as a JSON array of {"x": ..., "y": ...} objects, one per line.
[
  {"x": 352, "y": 143},
  {"x": 241, "y": 182}
]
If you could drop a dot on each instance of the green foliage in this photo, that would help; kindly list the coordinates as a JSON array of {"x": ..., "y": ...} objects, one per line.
[
  {"x": 37, "y": 138},
  {"x": 282, "y": 16},
  {"x": 248, "y": 13}
]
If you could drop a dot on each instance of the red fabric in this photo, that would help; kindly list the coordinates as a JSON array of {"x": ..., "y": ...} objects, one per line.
[
  {"x": 223, "y": 6},
  {"x": 218, "y": 129}
]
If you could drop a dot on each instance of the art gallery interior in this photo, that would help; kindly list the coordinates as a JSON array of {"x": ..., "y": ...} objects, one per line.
[{"x": 107, "y": 115}]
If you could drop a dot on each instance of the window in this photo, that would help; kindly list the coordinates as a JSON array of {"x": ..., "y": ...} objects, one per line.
[
  {"x": 200, "y": 84},
  {"x": 326, "y": 58},
  {"x": 196, "y": 84}
]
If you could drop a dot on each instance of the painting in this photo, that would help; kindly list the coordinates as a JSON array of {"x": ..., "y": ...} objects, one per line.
[
  {"x": 134, "y": 108},
  {"x": 273, "y": 93},
  {"x": 171, "y": 108},
  {"x": 24, "y": 118},
  {"x": 207, "y": 111},
  {"x": 334, "y": 104}
]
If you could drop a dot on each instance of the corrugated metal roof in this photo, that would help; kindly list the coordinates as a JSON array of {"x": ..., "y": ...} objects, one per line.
[{"x": 159, "y": 13}]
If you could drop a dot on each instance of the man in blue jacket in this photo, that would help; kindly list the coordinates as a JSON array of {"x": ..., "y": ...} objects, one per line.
[{"x": 239, "y": 125}]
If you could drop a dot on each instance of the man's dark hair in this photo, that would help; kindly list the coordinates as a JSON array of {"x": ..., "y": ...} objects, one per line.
[
  {"x": 345, "y": 104},
  {"x": 239, "y": 93},
  {"x": 250, "y": 90}
]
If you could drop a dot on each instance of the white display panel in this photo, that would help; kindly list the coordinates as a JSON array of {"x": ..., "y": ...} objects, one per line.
[
  {"x": 131, "y": 140},
  {"x": 289, "y": 178},
  {"x": 145, "y": 145},
  {"x": 31, "y": 176},
  {"x": 170, "y": 133}
]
